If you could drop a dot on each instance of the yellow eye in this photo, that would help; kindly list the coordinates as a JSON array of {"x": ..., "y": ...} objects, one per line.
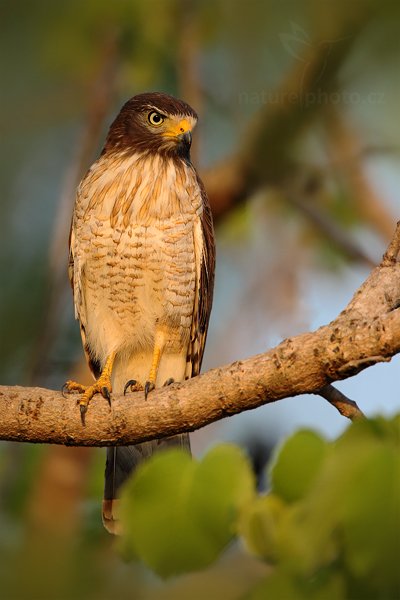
[{"x": 155, "y": 118}]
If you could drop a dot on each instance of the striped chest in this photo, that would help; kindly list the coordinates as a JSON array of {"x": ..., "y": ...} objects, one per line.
[{"x": 135, "y": 227}]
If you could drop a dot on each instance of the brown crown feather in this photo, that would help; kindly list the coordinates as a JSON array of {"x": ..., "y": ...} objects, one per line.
[{"x": 127, "y": 131}]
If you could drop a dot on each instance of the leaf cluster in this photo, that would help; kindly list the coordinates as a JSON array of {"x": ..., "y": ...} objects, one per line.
[{"x": 329, "y": 527}]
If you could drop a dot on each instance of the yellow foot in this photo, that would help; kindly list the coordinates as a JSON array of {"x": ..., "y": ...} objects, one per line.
[
  {"x": 102, "y": 386},
  {"x": 72, "y": 386},
  {"x": 133, "y": 386}
]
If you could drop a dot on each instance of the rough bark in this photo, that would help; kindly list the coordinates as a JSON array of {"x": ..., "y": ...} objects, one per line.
[{"x": 365, "y": 333}]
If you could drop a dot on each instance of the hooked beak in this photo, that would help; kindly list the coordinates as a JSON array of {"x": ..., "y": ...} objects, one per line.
[
  {"x": 180, "y": 132},
  {"x": 185, "y": 139}
]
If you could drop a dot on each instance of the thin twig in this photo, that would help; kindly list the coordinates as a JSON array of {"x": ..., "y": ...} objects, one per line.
[
  {"x": 393, "y": 250},
  {"x": 348, "y": 408}
]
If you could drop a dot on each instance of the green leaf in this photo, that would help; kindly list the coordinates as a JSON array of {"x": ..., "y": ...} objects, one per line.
[
  {"x": 297, "y": 465},
  {"x": 379, "y": 428},
  {"x": 178, "y": 514},
  {"x": 345, "y": 506},
  {"x": 276, "y": 587},
  {"x": 371, "y": 519},
  {"x": 282, "y": 586},
  {"x": 260, "y": 525},
  {"x": 285, "y": 535}
]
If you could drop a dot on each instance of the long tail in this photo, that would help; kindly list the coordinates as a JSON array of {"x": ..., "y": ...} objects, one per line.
[{"x": 121, "y": 462}]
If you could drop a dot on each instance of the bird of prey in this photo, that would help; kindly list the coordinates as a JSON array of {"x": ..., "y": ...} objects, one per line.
[{"x": 141, "y": 266}]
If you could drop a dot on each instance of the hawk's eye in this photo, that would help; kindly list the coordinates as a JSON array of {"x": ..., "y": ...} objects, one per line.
[{"x": 155, "y": 118}]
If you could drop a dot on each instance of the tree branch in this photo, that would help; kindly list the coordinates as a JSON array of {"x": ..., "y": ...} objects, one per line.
[
  {"x": 365, "y": 333},
  {"x": 348, "y": 408}
]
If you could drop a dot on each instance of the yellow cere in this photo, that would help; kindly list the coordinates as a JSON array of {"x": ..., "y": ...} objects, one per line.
[{"x": 177, "y": 128}]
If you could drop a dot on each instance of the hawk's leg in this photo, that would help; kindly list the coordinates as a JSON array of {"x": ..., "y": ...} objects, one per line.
[
  {"x": 159, "y": 343},
  {"x": 102, "y": 386},
  {"x": 150, "y": 384}
]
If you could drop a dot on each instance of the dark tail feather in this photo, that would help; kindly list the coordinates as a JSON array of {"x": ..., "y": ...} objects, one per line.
[{"x": 121, "y": 462}]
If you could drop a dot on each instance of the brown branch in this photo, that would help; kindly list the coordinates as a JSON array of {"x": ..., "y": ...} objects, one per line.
[
  {"x": 393, "y": 251},
  {"x": 348, "y": 408},
  {"x": 365, "y": 333}
]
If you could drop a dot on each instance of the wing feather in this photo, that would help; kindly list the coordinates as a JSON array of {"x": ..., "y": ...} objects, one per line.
[
  {"x": 75, "y": 278},
  {"x": 205, "y": 262}
]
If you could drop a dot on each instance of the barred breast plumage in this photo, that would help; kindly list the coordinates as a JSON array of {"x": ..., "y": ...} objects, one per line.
[{"x": 138, "y": 272}]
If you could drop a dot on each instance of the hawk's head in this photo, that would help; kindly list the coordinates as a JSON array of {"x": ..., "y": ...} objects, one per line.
[{"x": 153, "y": 123}]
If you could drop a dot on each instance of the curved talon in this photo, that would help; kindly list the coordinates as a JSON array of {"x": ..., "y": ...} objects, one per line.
[
  {"x": 131, "y": 383},
  {"x": 148, "y": 387},
  {"x": 134, "y": 385},
  {"x": 83, "y": 409},
  {"x": 105, "y": 392},
  {"x": 64, "y": 389},
  {"x": 169, "y": 381}
]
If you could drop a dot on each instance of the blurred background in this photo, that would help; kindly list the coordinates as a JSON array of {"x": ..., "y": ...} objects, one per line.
[{"x": 298, "y": 146}]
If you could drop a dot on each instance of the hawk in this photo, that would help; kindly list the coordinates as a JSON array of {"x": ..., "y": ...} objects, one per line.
[{"x": 141, "y": 266}]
